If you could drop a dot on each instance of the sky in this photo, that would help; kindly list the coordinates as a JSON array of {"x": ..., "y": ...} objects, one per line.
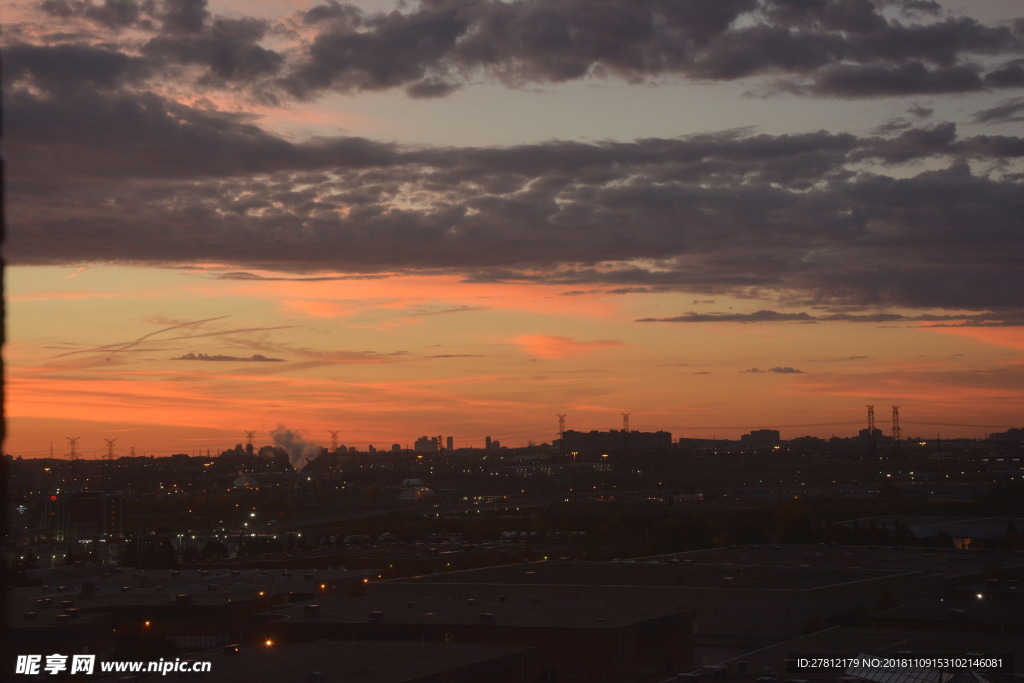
[{"x": 466, "y": 217}]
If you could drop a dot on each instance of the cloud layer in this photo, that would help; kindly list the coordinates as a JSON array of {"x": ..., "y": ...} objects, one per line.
[
  {"x": 843, "y": 48},
  {"x": 108, "y": 162},
  {"x": 255, "y": 358}
]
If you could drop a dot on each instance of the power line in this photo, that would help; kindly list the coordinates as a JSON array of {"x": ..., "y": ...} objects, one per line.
[{"x": 955, "y": 424}]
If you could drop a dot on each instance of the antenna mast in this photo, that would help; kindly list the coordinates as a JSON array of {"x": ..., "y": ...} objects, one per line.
[
  {"x": 896, "y": 429},
  {"x": 871, "y": 431}
]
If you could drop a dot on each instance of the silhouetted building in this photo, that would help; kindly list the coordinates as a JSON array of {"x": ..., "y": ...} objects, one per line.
[
  {"x": 85, "y": 515},
  {"x": 426, "y": 444},
  {"x": 595, "y": 443},
  {"x": 570, "y": 641},
  {"x": 761, "y": 437},
  {"x": 388, "y": 662}
]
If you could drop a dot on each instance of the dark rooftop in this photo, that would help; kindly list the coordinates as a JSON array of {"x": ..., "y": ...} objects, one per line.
[
  {"x": 509, "y": 613},
  {"x": 349, "y": 662},
  {"x": 677, "y": 572}
]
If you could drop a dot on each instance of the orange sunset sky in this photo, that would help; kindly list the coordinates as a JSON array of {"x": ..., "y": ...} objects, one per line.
[{"x": 464, "y": 218}]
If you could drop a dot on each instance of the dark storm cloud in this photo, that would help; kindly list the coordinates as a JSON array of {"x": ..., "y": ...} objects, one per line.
[{"x": 841, "y": 48}]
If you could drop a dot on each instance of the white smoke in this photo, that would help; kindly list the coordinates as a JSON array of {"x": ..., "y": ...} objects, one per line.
[{"x": 299, "y": 450}]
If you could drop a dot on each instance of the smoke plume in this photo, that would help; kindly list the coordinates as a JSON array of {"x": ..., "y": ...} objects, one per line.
[{"x": 299, "y": 450}]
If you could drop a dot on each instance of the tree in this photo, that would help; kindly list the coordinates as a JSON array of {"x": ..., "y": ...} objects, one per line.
[
  {"x": 25, "y": 561},
  {"x": 214, "y": 548},
  {"x": 190, "y": 553}
]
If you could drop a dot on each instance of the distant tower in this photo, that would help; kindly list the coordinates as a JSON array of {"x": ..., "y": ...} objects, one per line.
[
  {"x": 451, "y": 443},
  {"x": 250, "y": 442},
  {"x": 625, "y": 433},
  {"x": 871, "y": 431},
  {"x": 561, "y": 432},
  {"x": 334, "y": 440},
  {"x": 440, "y": 443},
  {"x": 72, "y": 447},
  {"x": 110, "y": 448},
  {"x": 896, "y": 429},
  {"x": 133, "y": 452}
]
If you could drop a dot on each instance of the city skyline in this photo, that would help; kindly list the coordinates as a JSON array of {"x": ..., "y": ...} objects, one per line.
[{"x": 468, "y": 217}]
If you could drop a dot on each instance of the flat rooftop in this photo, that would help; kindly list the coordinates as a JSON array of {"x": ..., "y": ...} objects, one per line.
[
  {"x": 352, "y": 662},
  {"x": 958, "y": 613},
  {"x": 467, "y": 612},
  {"x": 205, "y": 586},
  {"x": 672, "y": 573},
  {"x": 947, "y": 563}
]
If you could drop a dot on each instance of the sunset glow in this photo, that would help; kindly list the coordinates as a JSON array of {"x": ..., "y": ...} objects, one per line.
[{"x": 221, "y": 218}]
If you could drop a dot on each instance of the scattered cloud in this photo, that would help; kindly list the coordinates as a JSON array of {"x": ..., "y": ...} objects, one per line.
[
  {"x": 917, "y": 214},
  {"x": 431, "y": 49},
  {"x": 319, "y": 309},
  {"x": 758, "y": 317},
  {"x": 988, "y": 319},
  {"x": 257, "y": 277},
  {"x": 255, "y": 358},
  {"x": 1005, "y": 112},
  {"x": 551, "y": 346},
  {"x": 784, "y": 370}
]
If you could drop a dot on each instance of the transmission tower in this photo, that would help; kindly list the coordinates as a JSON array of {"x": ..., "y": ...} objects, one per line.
[
  {"x": 896, "y": 429},
  {"x": 72, "y": 447},
  {"x": 334, "y": 440},
  {"x": 250, "y": 439},
  {"x": 110, "y": 448},
  {"x": 561, "y": 432},
  {"x": 871, "y": 431},
  {"x": 625, "y": 422}
]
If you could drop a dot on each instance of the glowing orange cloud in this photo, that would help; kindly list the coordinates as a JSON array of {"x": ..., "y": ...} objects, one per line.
[
  {"x": 412, "y": 292},
  {"x": 1010, "y": 337},
  {"x": 318, "y": 309},
  {"x": 550, "y": 346}
]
